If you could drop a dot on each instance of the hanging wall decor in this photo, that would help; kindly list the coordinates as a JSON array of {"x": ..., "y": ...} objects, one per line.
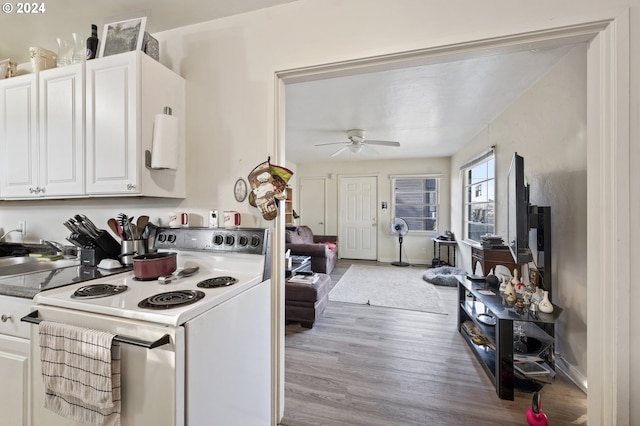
[{"x": 269, "y": 184}]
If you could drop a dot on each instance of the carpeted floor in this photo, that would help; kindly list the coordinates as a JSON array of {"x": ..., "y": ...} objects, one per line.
[{"x": 390, "y": 286}]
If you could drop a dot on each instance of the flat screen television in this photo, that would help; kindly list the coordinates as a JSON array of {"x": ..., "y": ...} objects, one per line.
[{"x": 518, "y": 210}]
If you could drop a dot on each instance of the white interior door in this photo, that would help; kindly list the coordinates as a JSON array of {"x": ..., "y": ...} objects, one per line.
[
  {"x": 312, "y": 204},
  {"x": 358, "y": 219}
]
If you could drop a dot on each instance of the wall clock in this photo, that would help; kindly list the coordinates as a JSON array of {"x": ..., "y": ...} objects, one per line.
[{"x": 240, "y": 190}]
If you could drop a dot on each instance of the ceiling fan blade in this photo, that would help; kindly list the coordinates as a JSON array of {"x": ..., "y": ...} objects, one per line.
[
  {"x": 385, "y": 143},
  {"x": 330, "y": 143},
  {"x": 339, "y": 151}
]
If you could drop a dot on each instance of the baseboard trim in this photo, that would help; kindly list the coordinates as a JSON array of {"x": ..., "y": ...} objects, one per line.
[{"x": 572, "y": 374}]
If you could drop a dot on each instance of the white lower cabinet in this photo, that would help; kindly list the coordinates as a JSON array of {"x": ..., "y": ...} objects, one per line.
[
  {"x": 14, "y": 362},
  {"x": 14, "y": 370}
]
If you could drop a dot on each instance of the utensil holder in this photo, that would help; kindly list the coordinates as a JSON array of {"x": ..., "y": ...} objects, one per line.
[{"x": 131, "y": 248}]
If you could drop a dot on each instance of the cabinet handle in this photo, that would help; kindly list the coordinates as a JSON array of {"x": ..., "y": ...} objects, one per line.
[
  {"x": 40, "y": 189},
  {"x": 6, "y": 318},
  {"x": 33, "y": 191},
  {"x": 131, "y": 187}
]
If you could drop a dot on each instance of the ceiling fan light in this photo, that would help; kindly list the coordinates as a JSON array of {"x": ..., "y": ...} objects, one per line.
[{"x": 355, "y": 148}]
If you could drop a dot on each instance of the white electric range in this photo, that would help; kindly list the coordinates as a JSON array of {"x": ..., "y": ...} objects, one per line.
[{"x": 194, "y": 351}]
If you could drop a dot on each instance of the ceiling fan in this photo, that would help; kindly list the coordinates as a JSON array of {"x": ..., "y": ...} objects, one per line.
[{"x": 356, "y": 142}]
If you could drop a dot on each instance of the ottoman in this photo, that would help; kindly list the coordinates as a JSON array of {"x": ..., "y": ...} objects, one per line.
[{"x": 304, "y": 302}]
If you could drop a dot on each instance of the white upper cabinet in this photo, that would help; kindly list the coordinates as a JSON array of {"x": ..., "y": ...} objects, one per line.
[
  {"x": 83, "y": 130},
  {"x": 43, "y": 137},
  {"x": 61, "y": 137},
  {"x": 124, "y": 94},
  {"x": 19, "y": 136}
]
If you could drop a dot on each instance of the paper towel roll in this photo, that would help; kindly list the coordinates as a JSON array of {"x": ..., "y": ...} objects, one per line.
[{"x": 166, "y": 137}]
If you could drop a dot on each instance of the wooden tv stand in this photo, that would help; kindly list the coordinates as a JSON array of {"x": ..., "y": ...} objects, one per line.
[{"x": 490, "y": 258}]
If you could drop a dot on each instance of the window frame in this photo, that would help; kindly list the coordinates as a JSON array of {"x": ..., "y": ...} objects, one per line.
[
  {"x": 468, "y": 187},
  {"x": 437, "y": 178}
]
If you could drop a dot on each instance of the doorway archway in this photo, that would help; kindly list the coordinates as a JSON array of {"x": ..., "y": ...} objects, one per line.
[{"x": 608, "y": 186}]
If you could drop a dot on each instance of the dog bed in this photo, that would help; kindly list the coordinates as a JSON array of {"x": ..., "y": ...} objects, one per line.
[{"x": 443, "y": 275}]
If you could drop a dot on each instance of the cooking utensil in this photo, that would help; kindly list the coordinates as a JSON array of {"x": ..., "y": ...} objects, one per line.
[
  {"x": 186, "y": 272},
  {"x": 150, "y": 266},
  {"x": 141, "y": 225},
  {"x": 123, "y": 220},
  {"x": 113, "y": 225}
]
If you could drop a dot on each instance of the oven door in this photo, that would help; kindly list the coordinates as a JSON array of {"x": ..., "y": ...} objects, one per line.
[{"x": 152, "y": 379}]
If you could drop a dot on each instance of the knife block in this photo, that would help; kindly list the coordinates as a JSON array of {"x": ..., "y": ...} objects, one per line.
[{"x": 92, "y": 256}]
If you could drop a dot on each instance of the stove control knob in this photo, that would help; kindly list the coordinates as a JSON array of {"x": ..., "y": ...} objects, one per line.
[
  {"x": 218, "y": 240},
  {"x": 255, "y": 241},
  {"x": 229, "y": 240},
  {"x": 162, "y": 238},
  {"x": 244, "y": 240},
  {"x": 172, "y": 238}
]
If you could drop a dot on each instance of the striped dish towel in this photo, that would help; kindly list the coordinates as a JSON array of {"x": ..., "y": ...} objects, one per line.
[{"x": 81, "y": 373}]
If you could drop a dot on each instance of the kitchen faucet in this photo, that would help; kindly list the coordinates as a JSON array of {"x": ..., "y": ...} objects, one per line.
[
  {"x": 8, "y": 232},
  {"x": 55, "y": 246}
]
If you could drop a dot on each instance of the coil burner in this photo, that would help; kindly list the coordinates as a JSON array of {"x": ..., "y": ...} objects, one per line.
[
  {"x": 223, "y": 281},
  {"x": 171, "y": 299},
  {"x": 95, "y": 291}
]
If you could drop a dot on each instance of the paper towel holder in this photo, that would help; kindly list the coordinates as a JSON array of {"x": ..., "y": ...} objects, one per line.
[{"x": 147, "y": 153}]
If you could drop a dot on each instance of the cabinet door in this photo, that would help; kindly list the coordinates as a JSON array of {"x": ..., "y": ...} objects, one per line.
[
  {"x": 18, "y": 137},
  {"x": 14, "y": 366},
  {"x": 112, "y": 125},
  {"x": 61, "y": 139}
]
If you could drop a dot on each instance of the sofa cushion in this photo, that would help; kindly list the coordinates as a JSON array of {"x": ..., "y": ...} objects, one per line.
[
  {"x": 300, "y": 235},
  {"x": 291, "y": 236}
]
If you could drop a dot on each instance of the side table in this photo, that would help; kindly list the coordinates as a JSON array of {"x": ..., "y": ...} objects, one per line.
[{"x": 437, "y": 245}]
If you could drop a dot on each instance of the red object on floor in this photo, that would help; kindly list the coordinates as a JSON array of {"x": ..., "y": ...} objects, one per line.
[{"x": 535, "y": 416}]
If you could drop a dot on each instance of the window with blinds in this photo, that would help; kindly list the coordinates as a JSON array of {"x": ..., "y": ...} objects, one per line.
[{"x": 416, "y": 201}]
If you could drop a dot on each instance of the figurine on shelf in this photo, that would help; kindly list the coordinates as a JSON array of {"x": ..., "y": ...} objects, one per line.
[
  {"x": 515, "y": 281},
  {"x": 510, "y": 290},
  {"x": 504, "y": 282},
  {"x": 545, "y": 304}
]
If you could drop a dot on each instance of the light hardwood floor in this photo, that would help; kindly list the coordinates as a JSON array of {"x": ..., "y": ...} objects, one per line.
[{"x": 374, "y": 366}]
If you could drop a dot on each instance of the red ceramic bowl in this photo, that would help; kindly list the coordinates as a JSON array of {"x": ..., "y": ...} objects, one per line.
[{"x": 150, "y": 266}]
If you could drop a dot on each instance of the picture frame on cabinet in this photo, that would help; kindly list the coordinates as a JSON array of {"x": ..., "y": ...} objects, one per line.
[{"x": 122, "y": 36}]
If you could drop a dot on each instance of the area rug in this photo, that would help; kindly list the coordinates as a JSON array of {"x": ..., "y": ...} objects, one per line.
[{"x": 389, "y": 286}]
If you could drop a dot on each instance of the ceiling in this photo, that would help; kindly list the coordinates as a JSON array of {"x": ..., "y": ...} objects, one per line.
[
  {"x": 63, "y": 17},
  {"x": 432, "y": 110}
]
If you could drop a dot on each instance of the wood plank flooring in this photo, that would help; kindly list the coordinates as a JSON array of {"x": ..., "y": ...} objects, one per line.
[{"x": 375, "y": 366}]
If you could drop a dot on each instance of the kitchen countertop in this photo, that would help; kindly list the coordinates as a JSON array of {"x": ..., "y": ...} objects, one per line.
[{"x": 28, "y": 285}]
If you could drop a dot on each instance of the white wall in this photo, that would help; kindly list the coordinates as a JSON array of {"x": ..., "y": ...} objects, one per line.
[
  {"x": 417, "y": 247},
  {"x": 547, "y": 126}
]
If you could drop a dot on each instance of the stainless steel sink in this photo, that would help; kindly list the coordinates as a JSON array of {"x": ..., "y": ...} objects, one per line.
[
  {"x": 10, "y": 261},
  {"x": 26, "y": 264}
]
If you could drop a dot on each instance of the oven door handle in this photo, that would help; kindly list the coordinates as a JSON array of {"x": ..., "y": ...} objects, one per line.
[{"x": 33, "y": 319}]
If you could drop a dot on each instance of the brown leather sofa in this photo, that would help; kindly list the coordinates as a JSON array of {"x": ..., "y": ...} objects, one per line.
[{"x": 323, "y": 249}]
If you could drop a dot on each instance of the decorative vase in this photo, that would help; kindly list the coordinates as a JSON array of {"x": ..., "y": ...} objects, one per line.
[{"x": 545, "y": 304}]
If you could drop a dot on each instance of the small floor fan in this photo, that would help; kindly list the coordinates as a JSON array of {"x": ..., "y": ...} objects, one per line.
[{"x": 399, "y": 226}]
